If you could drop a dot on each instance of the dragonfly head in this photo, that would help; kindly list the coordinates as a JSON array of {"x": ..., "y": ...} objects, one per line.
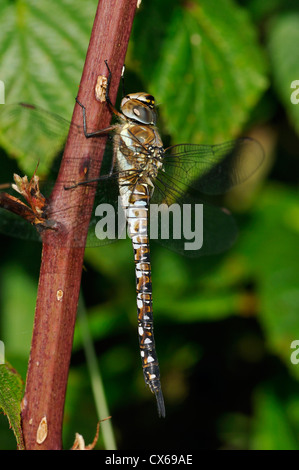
[{"x": 139, "y": 107}]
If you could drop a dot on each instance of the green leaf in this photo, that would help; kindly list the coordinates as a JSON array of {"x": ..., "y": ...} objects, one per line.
[
  {"x": 18, "y": 301},
  {"x": 42, "y": 51},
  {"x": 272, "y": 427},
  {"x": 283, "y": 39},
  {"x": 11, "y": 393},
  {"x": 209, "y": 307},
  {"x": 203, "y": 78},
  {"x": 270, "y": 245}
]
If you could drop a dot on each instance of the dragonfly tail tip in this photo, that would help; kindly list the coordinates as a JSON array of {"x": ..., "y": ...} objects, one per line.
[{"x": 160, "y": 403}]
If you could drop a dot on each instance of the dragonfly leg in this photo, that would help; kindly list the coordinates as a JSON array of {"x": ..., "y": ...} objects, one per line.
[
  {"x": 106, "y": 130},
  {"x": 108, "y": 100},
  {"x": 108, "y": 84},
  {"x": 109, "y": 81},
  {"x": 84, "y": 117}
]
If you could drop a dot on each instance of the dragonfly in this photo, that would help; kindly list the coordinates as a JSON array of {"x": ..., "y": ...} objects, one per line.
[{"x": 143, "y": 174}]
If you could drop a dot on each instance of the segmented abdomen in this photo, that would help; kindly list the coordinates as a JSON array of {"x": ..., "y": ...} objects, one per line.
[{"x": 136, "y": 210}]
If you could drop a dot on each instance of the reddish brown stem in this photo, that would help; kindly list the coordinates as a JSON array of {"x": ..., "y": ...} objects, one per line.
[
  {"x": 14, "y": 205},
  {"x": 63, "y": 251}
]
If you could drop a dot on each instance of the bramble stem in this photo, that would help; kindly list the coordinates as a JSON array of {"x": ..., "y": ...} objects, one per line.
[{"x": 62, "y": 258}]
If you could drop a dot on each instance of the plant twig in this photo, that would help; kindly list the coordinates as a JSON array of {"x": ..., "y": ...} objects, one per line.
[
  {"x": 96, "y": 379},
  {"x": 63, "y": 250}
]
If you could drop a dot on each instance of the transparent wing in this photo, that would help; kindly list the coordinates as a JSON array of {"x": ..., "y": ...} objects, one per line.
[
  {"x": 211, "y": 169},
  {"x": 14, "y": 226},
  {"x": 32, "y": 135},
  {"x": 101, "y": 231},
  {"x": 214, "y": 169},
  {"x": 36, "y": 136},
  {"x": 183, "y": 221}
]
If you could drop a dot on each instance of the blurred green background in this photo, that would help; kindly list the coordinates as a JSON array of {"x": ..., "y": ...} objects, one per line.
[{"x": 223, "y": 324}]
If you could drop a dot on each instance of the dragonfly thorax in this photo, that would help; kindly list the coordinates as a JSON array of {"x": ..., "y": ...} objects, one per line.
[
  {"x": 140, "y": 148},
  {"x": 139, "y": 107},
  {"x": 154, "y": 160}
]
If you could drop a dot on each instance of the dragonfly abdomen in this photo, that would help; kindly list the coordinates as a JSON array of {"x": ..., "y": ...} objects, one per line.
[
  {"x": 148, "y": 353},
  {"x": 137, "y": 217}
]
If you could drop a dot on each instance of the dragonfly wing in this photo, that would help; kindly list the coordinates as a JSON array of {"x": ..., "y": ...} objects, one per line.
[
  {"x": 32, "y": 135},
  {"x": 183, "y": 222},
  {"x": 214, "y": 169},
  {"x": 108, "y": 222},
  {"x": 211, "y": 169},
  {"x": 14, "y": 226},
  {"x": 35, "y": 136},
  {"x": 38, "y": 135}
]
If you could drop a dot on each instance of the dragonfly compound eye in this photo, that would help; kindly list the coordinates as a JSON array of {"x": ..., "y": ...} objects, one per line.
[
  {"x": 147, "y": 99},
  {"x": 139, "y": 112},
  {"x": 144, "y": 115}
]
